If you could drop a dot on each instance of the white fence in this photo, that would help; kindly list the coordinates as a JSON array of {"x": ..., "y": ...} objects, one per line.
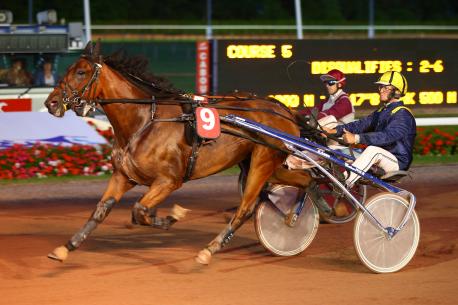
[{"x": 437, "y": 121}]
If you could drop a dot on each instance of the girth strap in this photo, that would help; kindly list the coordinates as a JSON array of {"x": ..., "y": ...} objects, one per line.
[
  {"x": 196, "y": 142},
  {"x": 189, "y": 111}
]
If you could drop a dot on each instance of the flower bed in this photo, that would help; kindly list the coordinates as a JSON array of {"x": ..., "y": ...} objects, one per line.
[
  {"x": 22, "y": 162},
  {"x": 435, "y": 141}
]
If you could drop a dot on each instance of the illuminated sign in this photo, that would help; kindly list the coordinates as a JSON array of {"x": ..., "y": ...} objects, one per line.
[
  {"x": 375, "y": 66},
  {"x": 289, "y": 70},
  {"x": 372, "y": 99},
  {"x": 258, "y": 51}
]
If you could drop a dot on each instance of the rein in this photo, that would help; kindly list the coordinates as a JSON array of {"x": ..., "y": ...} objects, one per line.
[
  {"x": 186, "y": 101},
  {"x": 77, "y": 99}
]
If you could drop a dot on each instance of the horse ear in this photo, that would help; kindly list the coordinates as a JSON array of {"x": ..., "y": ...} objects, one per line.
[
  {"x": 96, "y": 53},
  {"x": 88, "y": 49}
]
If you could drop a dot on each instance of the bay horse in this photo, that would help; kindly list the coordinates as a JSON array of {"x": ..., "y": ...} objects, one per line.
[{"x": 150, "y": 147}]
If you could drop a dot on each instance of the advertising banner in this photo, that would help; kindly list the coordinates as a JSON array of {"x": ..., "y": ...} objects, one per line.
[
  {"x": 13, "y": 105},
  {"x": 28, "y": 128}
]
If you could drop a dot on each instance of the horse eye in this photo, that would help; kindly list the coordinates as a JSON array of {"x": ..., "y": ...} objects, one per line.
[{"x": 80, "y": 72}]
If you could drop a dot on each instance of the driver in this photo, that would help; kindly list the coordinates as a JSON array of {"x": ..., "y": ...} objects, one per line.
[
  {"x": 337, "y": 109},
  {"x": 389, "y": 131}
]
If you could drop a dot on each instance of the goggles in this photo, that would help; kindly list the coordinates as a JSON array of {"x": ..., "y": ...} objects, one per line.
[
  {"x": 331, "y": 82},
  {"x": 385, "y": 88}
]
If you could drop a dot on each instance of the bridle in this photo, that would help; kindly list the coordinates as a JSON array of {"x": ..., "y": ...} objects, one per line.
[{"x": 77, "y": 98}]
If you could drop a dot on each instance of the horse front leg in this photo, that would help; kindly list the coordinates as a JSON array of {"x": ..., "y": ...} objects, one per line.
[
  {"x": 261, "y": 168},
  {"x": 117, "y": 187},
  {"x": 144, "y": 211}
]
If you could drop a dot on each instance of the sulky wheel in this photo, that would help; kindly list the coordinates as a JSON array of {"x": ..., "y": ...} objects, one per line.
[
  {"x": 375, "y": 250},
  {"x": 272, "y": 221}
]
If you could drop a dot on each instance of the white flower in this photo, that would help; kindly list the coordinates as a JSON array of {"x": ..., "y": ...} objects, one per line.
[{"x": 54, "y": 162}]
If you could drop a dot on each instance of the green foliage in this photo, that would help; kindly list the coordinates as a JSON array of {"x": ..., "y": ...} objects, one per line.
[{"x": 313, "y": 11}]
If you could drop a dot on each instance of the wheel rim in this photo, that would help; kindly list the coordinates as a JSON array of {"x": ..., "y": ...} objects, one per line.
[
  {"x": 376, "y": 251},
  {"x": 274, "y": 234}
]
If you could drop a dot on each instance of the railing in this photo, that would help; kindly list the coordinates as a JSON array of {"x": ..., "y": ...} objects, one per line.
[
  {"x": 277, "y": 27},
  {"x": 210, "y": 31},
  {"x": 437, "y": 121}
]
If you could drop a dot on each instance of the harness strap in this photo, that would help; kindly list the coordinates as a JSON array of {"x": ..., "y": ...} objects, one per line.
[
  {"x": 181, "y": 102},
  {"x": 193, "y": 157},
  {"x": 196, "y": 143},
  {"x": 183, "y": 118}
]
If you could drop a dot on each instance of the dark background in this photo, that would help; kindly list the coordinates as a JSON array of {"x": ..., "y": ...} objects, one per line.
[
  {"x": 272, "y": 11},
  {"x": 269, "y": 76}
]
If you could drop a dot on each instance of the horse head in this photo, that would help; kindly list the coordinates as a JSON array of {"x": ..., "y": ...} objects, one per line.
[{"x": 78, "y": 88}]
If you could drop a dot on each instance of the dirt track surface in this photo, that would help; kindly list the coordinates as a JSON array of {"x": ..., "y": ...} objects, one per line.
[{"x": 139, "y": 265}]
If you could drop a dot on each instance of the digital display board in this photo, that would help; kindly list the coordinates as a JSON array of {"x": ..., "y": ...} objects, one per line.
[
  {"x": 290, "y": 70},
  {"x": 33, "y": 43}
]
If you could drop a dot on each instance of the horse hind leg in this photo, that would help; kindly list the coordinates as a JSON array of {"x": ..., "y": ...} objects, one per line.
[
  {"x": 117, "y": 186},
  {"x": 263, "y": 164},
  {"x": 141, "y": 215},
  {"x": 144, "y": 211}
]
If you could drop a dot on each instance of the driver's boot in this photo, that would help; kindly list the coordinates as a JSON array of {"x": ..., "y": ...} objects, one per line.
[{"x": 314, "y": 192}]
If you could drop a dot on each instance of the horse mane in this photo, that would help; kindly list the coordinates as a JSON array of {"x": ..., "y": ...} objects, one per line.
[
  {"x": 135, "y": 69},
  {"x": 275, "y": 101}
]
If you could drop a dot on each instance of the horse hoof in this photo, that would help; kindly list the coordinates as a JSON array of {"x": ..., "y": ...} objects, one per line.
[
  {"x": 204, "y": 257},
  {"x": 179, "y": 212},
  {"x": 341, "y": 210},
  {"x": 128, "y": 225},
  {"x": 59, "y": 254}
]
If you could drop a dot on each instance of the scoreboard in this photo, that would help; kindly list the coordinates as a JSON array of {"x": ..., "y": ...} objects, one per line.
[
  {"x": 289, "y": 70},
  {"x": 33, "y": 43}
]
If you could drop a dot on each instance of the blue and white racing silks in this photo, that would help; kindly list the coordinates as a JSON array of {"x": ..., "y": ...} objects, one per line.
[{"x": 391, "y": 127}]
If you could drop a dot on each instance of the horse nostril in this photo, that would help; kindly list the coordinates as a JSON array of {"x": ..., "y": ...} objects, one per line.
[{"x": 53, "y": 103}]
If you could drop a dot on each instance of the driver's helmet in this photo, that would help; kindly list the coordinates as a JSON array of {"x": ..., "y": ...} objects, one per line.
[
  {"x": 394, "y": 79},
  {"x": 334, "y": 75}
]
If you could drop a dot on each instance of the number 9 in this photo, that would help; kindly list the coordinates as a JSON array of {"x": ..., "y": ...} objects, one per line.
[{"x": 207, "y": 116}]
